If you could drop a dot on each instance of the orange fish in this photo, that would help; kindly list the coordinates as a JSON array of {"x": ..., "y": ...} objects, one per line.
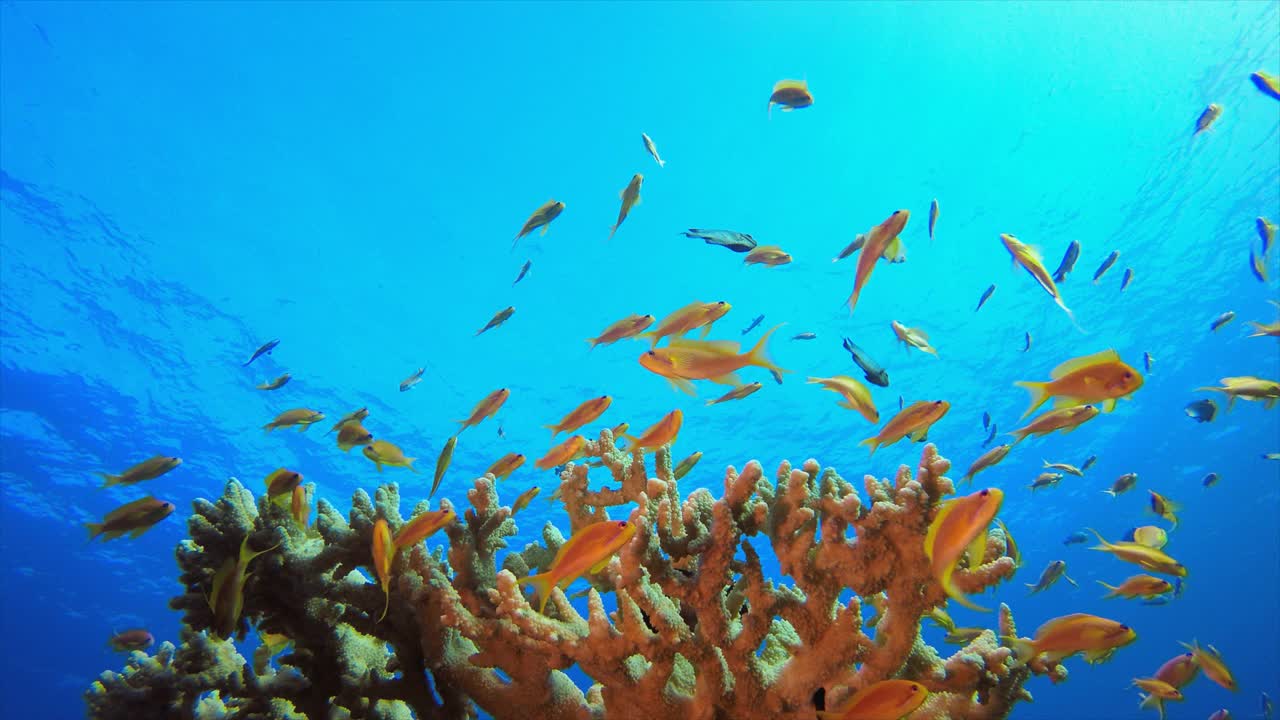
[
  {"x": 986, "y": 460},
  {"x": 1138, "y": 586},
  {"x": 421, "y": 527},
  {"x": 630, "y": 198},
  {"x": 541, "y": 218},
  {"x": 485, "y": 408},
  {"x": 353, "y": 434},
  {"x": 960, "y": 528},
  {"x": 884, "y": 700},
  {"x": 661, "y": 433},
  {"x": 767, "y": 255},
  {"x": 587, "y": 412},
  {"x": 717, "y": 361},
  {"x": 134, "y": 518},
  {"x": 1030, "y": 260},
  {"x": 856, "y": 395},
  {"x": 525, "y": 498},
  {"x": 692, "y": 316},
  {"x": 1210, "y": 660},
  {"x": 383, "y": 549},
  {"x": 299, "y": 508},
  {"x": 914, "y": 420},
  {"x": 587, "y": 552},
  {"x": 281, "y": 482},
  {"x": 149, "y": 469},
  {"x": 737, "y": 393},
  {"x": 790, "y": 95},
  {"x": 227, "y": 598},
  {"x": 1099, "y": 378},
  {"x": 1158, "y": 688},
  {"x": 562, "y": 453},
  {"x": 1064, "y": 419},
  {"x": 498, "y": 318},
  {"x": 1060, "y": 638},
  {"x": 913, "y": 337},
  {"x": 505, "y": 465},
  {"x": 878, "y": 238},
  {"x": 629, "y": 326},
  {"x": 1145, "y": 557}
]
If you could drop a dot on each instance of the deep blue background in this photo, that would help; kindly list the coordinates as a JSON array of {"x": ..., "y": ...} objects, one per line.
[{"x": 184, "y": 181}]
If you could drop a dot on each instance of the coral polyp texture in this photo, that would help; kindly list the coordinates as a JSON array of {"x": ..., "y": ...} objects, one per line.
[{"x": 697, "y": 631}]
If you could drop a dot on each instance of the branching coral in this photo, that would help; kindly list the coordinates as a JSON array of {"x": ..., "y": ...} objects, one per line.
[{"x": 699, "y": 631}]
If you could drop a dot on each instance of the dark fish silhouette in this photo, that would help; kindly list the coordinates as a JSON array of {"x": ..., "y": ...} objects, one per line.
[
  {"x": 1146, "y": 361},
  {"x": 1202, "y": 410},
  {"x": 805, "y": 336},
  {"x": 735, "y": 241},
  {"x": 523, "y": 271},
  {"x": 990, "y": 437},
  {"x": 264, "y": 350},
  {"x": 412, "y": 380},
  {"x": 1068, "y": 262},
  {"x": 1210, "y": 480},
  {"x": 983, "y": 300},
  {"x": 1105, "y": 266},
  {"x": 1128, "y": 278},
  {"x": 1218, "y": 322},
  {"x": 754, "y": 323},
  {"x": 1076, "y": 538},
  {"x": 986, "y": 420},
  {"x": 875, "y": 374},
  {"x": 1028, "y": 345},
  {"x": 1089, "y": 463}
]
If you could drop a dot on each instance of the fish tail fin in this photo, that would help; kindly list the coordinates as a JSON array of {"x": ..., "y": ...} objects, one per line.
[
  {"x": 1112, "y": 588},
  {"x": 268, "y": 428},
  {"x": 759, "y": 354},
  {"x": 1112, "y": 493},
  {"x": 1105, "y": 545},
  {"x": 109, "y": 480},
  {"x": 1031, "y": 587},
  {"x": 612, "y": 231},
  {"x": 95, "y": 529},
  {"x": 542, "y": 586},
  {"x": 662, "y": 163},
  {"x": 1020, "y": 434},
  {"x": 408, "y": 462},
  {"x": 1039, "y": 394},
  {"x": 874, "y": 443},
  {"x": 555, "y": 430},
  {"x": 1023, "y": 649},
  {"x": 386, "y": 604},
  {"x": 594, "y": 342}
]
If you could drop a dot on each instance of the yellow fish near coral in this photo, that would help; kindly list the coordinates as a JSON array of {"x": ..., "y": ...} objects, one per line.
[
  {"x": 790, "y": 95},
  {"x": 302, "y": 417},
  {"x": 958, "y": 529},
  {"x": 855, "y": 395},
  {"x": 541, "y": 218},
  {"x": 1247, "y": 387},
  {"x": 299, "y": 508},
  {"x": 226, "y": 600},
  {"x": 1138, "y": 586},
  {"x": 661, "y": 433},
  {"x": 382, "y": 453},
  {"x": 1030, "y": 260},
  {"x": 630, "y": 198},
  {"x": 986, "y": 460},
  {"x": 525, "y": 498},
  {"x": 1060, "y": 638},
  {"x": 383, "y": 550},
  {"x": 421, "y": 527},
  {"x": 913, "y": 337},
  {"x": 1147, "y": 558},
  {"x": 1099, "y": 378},
  {"x": 148, "y": 469},
  {"x": 914, "y": 420},
  {"x": 485, "y": 408},
  {"x": 562, "y": 453},
  {"x": 718, "y": 361},
  {"x": 134, "y": 518},
  {"x": 884, "y": 700},
  {"x": 686, "y": 465},
  {"x": 587, "y": 552},
  {"x": 586, "y": 412},
  {"x": 505, "y": 465},
  {"x": 280, "y": 484},
  {"x": 1158, "y": 688}
]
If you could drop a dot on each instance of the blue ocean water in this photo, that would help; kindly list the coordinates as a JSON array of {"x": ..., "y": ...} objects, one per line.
[{"x": 182, "y": 182}]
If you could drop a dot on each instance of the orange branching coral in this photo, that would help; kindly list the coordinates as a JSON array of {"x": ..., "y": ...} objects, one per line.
[{"x": 698, "y": 630}]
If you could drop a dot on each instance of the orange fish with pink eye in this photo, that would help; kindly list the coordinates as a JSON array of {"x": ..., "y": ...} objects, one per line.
[
  {"x": 1101, "y": 378},
  {"x": 560, "y": 454},
  {"x": 383, "y": 549},
  {"x": 1064, "y": 419},
  {"x": 629, "y": 326},
  {"x": 790, "y": 95},
  {"x": 1178, "y": 672},
  {"x": 914, "y": 420},
  {"x": 588, "y": 411},
  {"x": 421, "y": 527},
  {"x": 1215, "y": 668},
  {"x": 718, "y": 361},
  {"x": 226, "y": 599},
  {"x": 587, "y": 552},
  {"x": 1060, "y": 638},
  {"x": 690, "y": 317},
  {"x": 878, "y": 238},
  {"x": 960, "y": 528},
  {"x": 485, "y": 408},
  {"x": 884, "y": 700},
  {"x": 505, "y": 465},
  {"x": 661, "y": 433}
]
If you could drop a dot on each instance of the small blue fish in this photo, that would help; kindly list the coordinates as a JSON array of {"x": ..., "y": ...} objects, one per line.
[
  {"x": 1028, "y": 345},
  {"x": 986, "y": 420},
  {"x": 264, "y": 350},
  {"x": 1210, "y": 480},
  {"x": 990, "y": 437},
  {"x": 1089, "y": 463},
  {"x": 1128, "y": 278},
  {"x": 754, "y": 324},
  {"x": 1068, "y": 262},
  {"x": 1076, "y": 538},
  {"x": 1146, "y": 361},
  {"x": 1162, "y": 600},
  {"x": 983, "y": 300},
  {"x": 523, "y": 271}
]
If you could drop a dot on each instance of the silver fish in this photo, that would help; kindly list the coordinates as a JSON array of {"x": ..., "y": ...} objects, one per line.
[
  {"x": 1221, "y": 320},
  {"x": 264, "y": 350},
  {"x": 653, "y": 149},
  {"x": 754, "y": 324},
  {"x": 523, "y": 271}
]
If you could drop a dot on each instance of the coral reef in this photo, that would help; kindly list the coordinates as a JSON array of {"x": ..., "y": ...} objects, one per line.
[{"x": 699, "y": 631}]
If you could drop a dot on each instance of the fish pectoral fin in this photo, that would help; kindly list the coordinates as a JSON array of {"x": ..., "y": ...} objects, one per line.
[
  {"x": 730, "y": 379},
  {"x": 1108, "y": 405},
  {"x": 683, "y": 386},
  {"x": 1068, "y": 579},
  {"x": 604, "y": 563},
  {"x": 977, "y": 549}
]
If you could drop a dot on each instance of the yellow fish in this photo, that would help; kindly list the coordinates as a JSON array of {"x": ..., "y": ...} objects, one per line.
[
  {"x": 690, "y": 317},
  {"x": 383, "y": 549},
  {"x": 1247, "y": 387},
  {"x": 587, "y": 412},
  {"x": 1030, "y": 260},
  {"x": 878, "y": 241},
  {"x": 541, "y": 218},
  {"x": 1165, "y": 508},
  {"x": 421, "y": 527},
  {"x": 1215, "y": 668},
  {"x": 352, "y": 434},
  {"x": 587, "y": 552},
  {"x": 790, "y": 95},
  {"x": 562, "y": 453},
  {"x": 1099, "y": 378},
  {"x": 960, "y": 528},
  {"x": 442, "y": 463},
  {"x": 485, "y": 408},
  {"x": 148, "y": 469},
  {"x": 1266, "y": 82},
  {"x": 686, "y": 465},
  {"x": 525, "y": 498},
  {"x": 227, "y": 597},
  {"x": 1147, "y": 558},
  {"x": 1060, "y": 638},
  {"x": 913, "y": 337},
  {"x": 505, "y": 465},
  {"x": 630, "y": 198},
  {"x": 629, "y": 326},
  {"x": 301, "y": 417},
  {"x": 855, "y": 395},
  {"x": 1151, "y": 536},
  {"x": 884, "y": 700},
  {"x": 355, "y": 416},
  {"x": 717, "y": 361},
  {"x": 281, "y": 482},
  {"x": 986, "y": 460},
  {"x": 1064, "y": 419},
  {"x": 914, "y": 420},
  {"x": 277, "y": 383},
  {"x": 134, "y": 518},
  {"x": 661, "y": 433},
  {"x": 1158, "y": 688},
  {"x": 1138, "y": 586},
  {"x": 500, "y": 317},
  {"x": 299, "y": 508},
  {"x": 382, "y": 453}
]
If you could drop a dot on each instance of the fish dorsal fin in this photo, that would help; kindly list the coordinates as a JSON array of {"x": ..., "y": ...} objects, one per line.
[
  {"x": 717, "y": 347},
  {"x": 791, "y": 85},
  {"x": 931, "y": 538},
  {"x": 1075, "y": 364}
]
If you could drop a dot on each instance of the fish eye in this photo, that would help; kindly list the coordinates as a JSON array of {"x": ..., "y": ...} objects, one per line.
[
  {"x": 1124, "y": 628},
  {"x": 984, "y": 493},
  {"x": 937, "y": 402},
  {"x": 915, "y": 688},
  {"x": 604, "y": 397},
  {"x": 651, "y": 354},
  {"x": 622, "y": 523}
]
